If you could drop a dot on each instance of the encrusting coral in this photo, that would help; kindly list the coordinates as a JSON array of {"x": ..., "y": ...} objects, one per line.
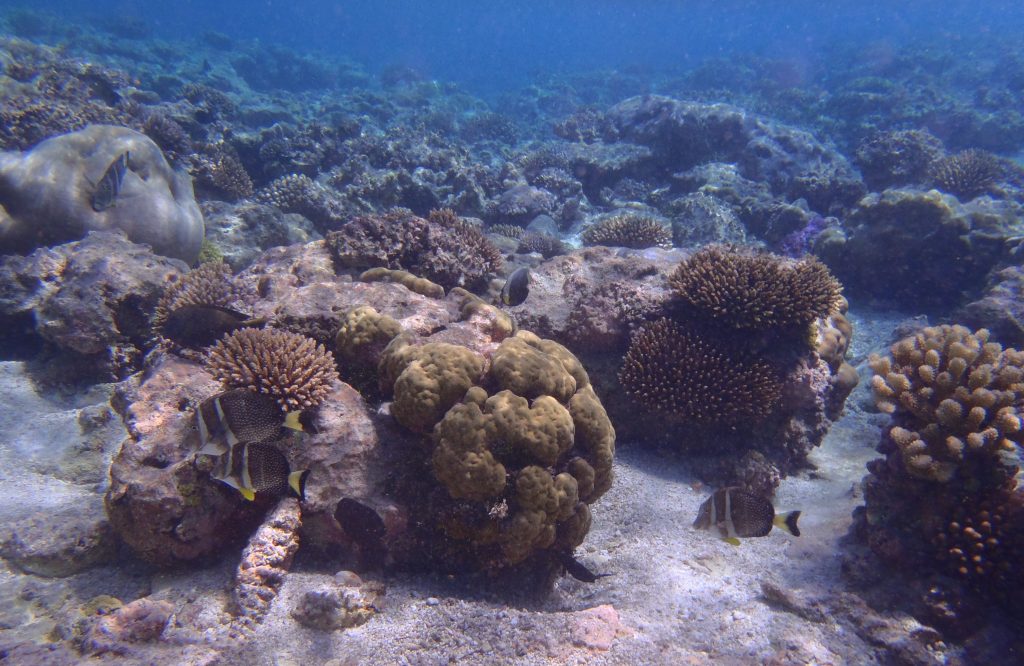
[
  {"x": 628, "y": 230},
  {"x": 292, "y": 368},
  {"x": 758, "y": 292},
  {"x": 678, "y": 372},
  {"x": 954, "y": 396}
]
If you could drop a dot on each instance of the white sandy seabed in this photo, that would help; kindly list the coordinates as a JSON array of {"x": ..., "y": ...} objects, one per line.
[{"x": 676, "y": 596}]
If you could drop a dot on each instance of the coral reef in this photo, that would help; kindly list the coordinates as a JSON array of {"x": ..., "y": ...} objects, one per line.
[
  {"x": 679, "y": 373},
  {"x": 219, "y": 169},
  {"x": 893, "y": 159},
  {"x": 755, "y": 292},
  {"x": 445, "y": 250},
  {"x": 292, "y": 368},
  {"x": 966, "y": 175},
  {"x": 628, "y": 230},
  {"x": 925, "y": 250},
  {"x": 210, "y": 283},
  {"x": 90, "y": 299},
  {"x": 298, "y": 193},
  {"x": 46, "y": 193},
  {"x": 521, "y": 459},
  {"x": 546, "y": 245},
  {"x": 945, "y": 497},
  {"x": 955, "y": 395},
  {"x": 266, "y": 560}
]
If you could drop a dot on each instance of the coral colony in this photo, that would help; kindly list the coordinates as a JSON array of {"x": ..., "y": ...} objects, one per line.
[{"x": 318, "y": 354}]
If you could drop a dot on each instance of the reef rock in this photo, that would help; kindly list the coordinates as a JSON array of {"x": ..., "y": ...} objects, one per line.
[
  {"x": 924, "y": 250},
  {"x": 999, "y": 309},
  {"x": 685, "y": 134},
  {"x": 62, "y": 543},
  {"x": 141, "y": 621},
  {"x": 46, "y": 194},
  {"x": 91, "y": 297}
]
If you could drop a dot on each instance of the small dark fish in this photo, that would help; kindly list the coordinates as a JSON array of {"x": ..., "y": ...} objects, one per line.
[
  {"x": 517, "y": 287},
  {"x": 196, "y": 326},
  {"x": 105, "y": 194},
  {"x": 259, "y": 468},
  {"x": 577, "y": 570},
  {"x": 734, "y": 513},
  {"x": 366, "y": 528},
  {"x": 240, "y": 415}
]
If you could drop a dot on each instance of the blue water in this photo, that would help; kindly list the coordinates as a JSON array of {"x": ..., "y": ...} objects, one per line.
[{"x": 493, "y": 46}]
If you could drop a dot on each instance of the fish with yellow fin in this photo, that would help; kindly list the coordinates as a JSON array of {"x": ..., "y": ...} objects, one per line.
[
  {"x": 736, "y": 513},
  {"x": 259, "y": 468},
  {"x": 240, "y": 416}
]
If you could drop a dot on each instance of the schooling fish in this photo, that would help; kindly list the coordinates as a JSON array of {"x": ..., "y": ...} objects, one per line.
[
  {"x": 517, "y": 287},
  {"x": 105, "y": 194},
  {"x": 240, "y": 415},
  {"x": 196, "y": 326},
  {"x": 259, "y": 468},
  {"x": 734, "y": 513}
]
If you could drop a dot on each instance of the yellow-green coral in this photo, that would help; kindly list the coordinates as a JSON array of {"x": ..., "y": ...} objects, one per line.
[
  {"x": 426, "y": 380},
  {"x": 595, "y": 436},
  {"x": 363, "y": 330},
  {"x": 543, "y": 430},
  {"x": 501, "y": 324},
  {"x": 954, "y": 396},
  {"x": 521, "y": 366},
  {"x": 419, "y": 285},
  {"x": 531, "y": 455},
  {"x": 461, "y": 459}
]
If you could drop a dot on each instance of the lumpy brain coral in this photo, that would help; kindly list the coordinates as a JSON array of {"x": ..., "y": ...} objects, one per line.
[
  {"x": 293, "y": 369},
  {"x": 674, "y": 370},
  {"x": 525, "y": 441},
  {"x": 954, "y": 397},
  {"x": 755, "y": 291}
]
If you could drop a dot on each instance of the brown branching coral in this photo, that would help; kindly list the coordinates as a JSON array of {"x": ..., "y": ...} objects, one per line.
[
  {"x": 759, "y": 292},
  {"x": 292, "y": 368},
  {"x": 545, "y": 245},
  {"x": 512, "y": 231},
  {"x": 210, "y": 284},
  {"x": 220, "y": 168},
  {"x": 298, "y": 193},
  {"x": 628, "y": 230},
  {"x": 445, "y": 249},
  {"x": 968, "y": 174},
  {"x": 469, "y": 236},
  {"x": 954, "y": 397},
  {"x": 676, "y": 371},
  {"x": 981, "y": 543}
]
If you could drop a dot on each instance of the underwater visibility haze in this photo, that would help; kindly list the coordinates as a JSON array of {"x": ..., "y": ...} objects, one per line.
[{"x": 511, "y": 333}]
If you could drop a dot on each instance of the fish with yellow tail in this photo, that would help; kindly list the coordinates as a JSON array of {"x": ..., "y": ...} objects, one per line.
[
  {"x": 259, "y": 468},
  {"x": 240, "y": 415},
  {"x": 735, "y": 513}
]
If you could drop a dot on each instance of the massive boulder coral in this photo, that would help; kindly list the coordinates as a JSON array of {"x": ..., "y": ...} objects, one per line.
[
  {"x": 521, "y": 450},
  {"x": 46, "y": 194}
]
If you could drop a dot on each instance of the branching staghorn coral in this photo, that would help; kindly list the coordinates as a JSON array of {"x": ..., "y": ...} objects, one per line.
[
  {"x": 292, "y": 368},
  {"x": 628, "y": 230},
  {"x": 756, "y": 291},
  {"x": 954, "y": 397}
]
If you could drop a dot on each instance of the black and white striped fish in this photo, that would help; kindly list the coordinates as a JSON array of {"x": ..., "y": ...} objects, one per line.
[
  {"x": 735, "y": 513},
  {"x": 105, "y": 194},
  {"x": 259, "y": 468}
]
